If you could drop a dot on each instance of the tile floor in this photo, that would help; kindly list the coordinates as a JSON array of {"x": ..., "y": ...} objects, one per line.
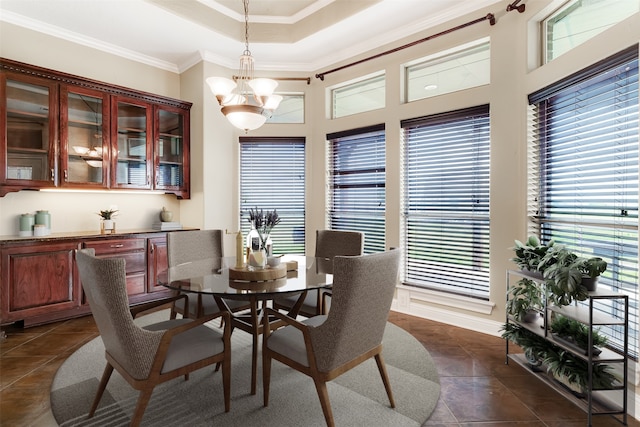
[{"x": 478, "y": 389}]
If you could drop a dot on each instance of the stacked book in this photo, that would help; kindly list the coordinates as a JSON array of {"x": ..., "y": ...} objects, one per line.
[{"x": 164, "y": 226}]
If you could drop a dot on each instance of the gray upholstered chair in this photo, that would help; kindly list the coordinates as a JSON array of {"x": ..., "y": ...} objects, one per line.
[
  {"x": 196, "y": 245},
  {"x": 329, "y": 243},
  {"x": 325, "y": 346},
  {"x": 156, "y": 353}
]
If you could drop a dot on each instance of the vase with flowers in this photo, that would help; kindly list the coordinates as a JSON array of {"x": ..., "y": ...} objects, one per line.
[{"x": 262, "y": 224}]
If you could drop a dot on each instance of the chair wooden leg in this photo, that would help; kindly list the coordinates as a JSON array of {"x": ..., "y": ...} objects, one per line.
[
  {"x": 266, "y": 376},
  {"x": 108, "y": 370},
  {"x": 321, "y": 388},
  {"x": 385, "y": 378},
  {"x": 143, "y": 400},
  {"x": 226, "y": 383}
]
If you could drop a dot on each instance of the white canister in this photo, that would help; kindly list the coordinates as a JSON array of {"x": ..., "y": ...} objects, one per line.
[{"x": 40, "y": 230}]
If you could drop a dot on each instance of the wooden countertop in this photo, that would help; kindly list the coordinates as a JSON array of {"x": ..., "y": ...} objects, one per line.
[{"x": 80, "y": 235}]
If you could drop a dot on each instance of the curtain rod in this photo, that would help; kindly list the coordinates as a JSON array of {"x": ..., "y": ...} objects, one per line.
[
  {"x": 302, "y": 79},
  {"x": 489, "y": 16}
]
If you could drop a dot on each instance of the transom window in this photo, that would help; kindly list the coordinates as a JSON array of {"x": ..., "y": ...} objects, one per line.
[
  {"x": 580, "y": 20},
  {"x": 461, "y": 68},
  {"x": 356, "y": 97}
]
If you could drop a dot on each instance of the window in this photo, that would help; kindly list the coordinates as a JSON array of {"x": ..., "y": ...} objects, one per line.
[
  {"x": 357, "y": 184},
  {"x": 290, "y": 110},
  {"x": 584, "y": 159},
  {"x": 364, "y": 95},
  {"x": 272, "y": 176},
  {"x": 579, "y": 20},
  {"x": 446, "y": 202},
  {"x": 464, "y": 68}
]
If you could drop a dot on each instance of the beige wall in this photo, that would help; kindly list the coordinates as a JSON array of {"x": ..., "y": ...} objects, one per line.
[{"x": 214, "y": 159}]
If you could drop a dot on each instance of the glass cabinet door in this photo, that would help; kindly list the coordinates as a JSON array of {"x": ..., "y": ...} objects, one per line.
[
  {"x": 171, "y": 134},
  {"x": 30, "y": 131},
  {"x": 133, "y": 144},
  {"x": 85, "y": 137}
]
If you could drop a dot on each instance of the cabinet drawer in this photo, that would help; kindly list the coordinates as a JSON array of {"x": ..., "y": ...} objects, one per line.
[
  {"x": 136, "y": 284},
  {"x": 115, "y": 245}
]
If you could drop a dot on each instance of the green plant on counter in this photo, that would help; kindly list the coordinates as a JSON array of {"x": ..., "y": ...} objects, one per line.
[{"x": 107, "y": 214}]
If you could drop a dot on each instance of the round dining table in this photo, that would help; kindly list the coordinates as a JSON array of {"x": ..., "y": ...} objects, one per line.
[{"x": 223, "y": 279}]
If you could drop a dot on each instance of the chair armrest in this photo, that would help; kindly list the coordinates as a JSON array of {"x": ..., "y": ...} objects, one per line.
[
  {"x": 284, "y": 318},
  {"x": 323, "y": 302},
  {"x": 139, "y": 308},
  {"x": 165, "y": 342}
]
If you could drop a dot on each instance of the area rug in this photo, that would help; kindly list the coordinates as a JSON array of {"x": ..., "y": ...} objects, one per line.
[{"x": 357, "y": 397}]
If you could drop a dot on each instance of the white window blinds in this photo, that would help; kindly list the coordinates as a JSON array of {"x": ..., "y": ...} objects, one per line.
[
  {"x": 584, "y": 139},
  {"x": 272, "y": 176},
  {"x": 357, "y": 188},
  {"x": 446, "y": 201}
]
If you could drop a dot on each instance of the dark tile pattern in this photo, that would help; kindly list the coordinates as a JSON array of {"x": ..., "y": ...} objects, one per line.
[{"x": 478, "y": 388}]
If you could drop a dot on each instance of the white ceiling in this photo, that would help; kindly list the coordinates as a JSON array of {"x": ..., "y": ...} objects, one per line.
[{"x": 298, "y": 35}]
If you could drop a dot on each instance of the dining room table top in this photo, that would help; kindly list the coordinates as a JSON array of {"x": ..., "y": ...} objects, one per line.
[{"x": 215, "y": 276}]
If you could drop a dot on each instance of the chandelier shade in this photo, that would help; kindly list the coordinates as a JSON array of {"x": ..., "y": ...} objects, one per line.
[{"x": 247, "y": 102}]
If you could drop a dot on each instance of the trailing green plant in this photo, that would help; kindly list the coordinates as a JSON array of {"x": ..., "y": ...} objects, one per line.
[
  {"x": 563, "y": 365},
  {"x": 529, "y": 254},
  {"x": 524, "y": 297},
  {"x": 560, "y": 363},
  {"x": 578, "y": 332}
]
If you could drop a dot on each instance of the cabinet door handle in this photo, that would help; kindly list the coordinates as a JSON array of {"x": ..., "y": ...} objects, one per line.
[
  {"x": 53, "y": 174},
  {"x": 66, "y": 175},
  {"x": 117, "y": 246}
]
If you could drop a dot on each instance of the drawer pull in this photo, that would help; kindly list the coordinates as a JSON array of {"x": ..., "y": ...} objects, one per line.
[{"x": 117, "y": 246}]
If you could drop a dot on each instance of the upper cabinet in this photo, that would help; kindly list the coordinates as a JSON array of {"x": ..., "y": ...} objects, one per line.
[
  {"x": 132, "y": 155},
  {"x": 29, "y": 109},
  {"x": 84, "y": 137},
  {"x": 171, "y": 171},
  {"x": 59, "y": 130}
]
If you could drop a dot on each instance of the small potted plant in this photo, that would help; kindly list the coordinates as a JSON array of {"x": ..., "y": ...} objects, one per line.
[
  {"x": 525, "y": 300},
  {"x": 563, "y": 278},
  {"x": 107, "y": 225},
  {"x": 590, "y": 269},
  {"x": 529, "y": 254}
]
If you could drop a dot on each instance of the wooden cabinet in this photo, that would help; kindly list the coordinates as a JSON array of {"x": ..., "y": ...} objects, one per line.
[
  {"x": 29, "y": 126},
  {"x": 134, "y": 252},
  {"x": 171, "y": 171},
  {"x": 39, "y": 282},
  {"x": 59, "y": 130},
  {"x": 84, "y": 137},
  {"x": 132, "y": 154},
  {"x": 157, "y": 262}
]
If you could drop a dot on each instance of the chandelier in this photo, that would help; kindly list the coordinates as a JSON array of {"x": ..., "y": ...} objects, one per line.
[{"x": 247, "y": 102}]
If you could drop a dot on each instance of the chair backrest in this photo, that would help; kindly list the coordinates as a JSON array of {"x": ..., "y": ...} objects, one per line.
[
  {"x": 363, "y": 289},
  {"x": 104, "y": 284},
  {"x": 331, "y": 243},
  {"x": 193, "y": 245}
]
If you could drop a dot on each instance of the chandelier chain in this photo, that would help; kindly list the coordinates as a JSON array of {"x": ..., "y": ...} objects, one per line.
[{"x": 246, "y": 27}]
